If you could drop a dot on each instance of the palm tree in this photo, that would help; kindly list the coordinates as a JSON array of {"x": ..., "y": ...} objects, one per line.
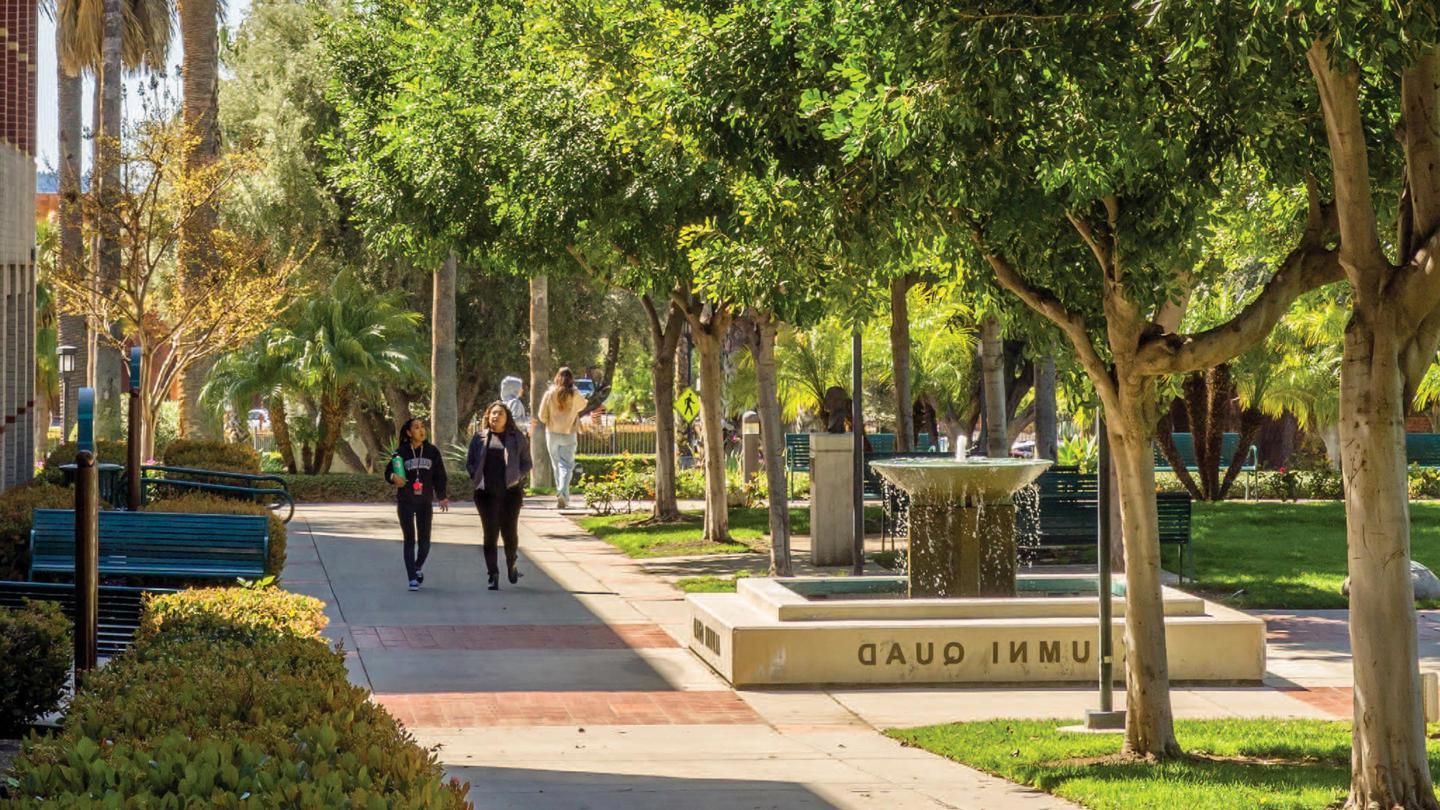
[
  {"x": 199, "y": 24},
  {"x": 264, "y": 369},
  {"x": 348, "y": 339},
  {"x": 79, "y": 44}
]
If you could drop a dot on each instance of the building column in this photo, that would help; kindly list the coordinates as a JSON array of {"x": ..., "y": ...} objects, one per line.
[
  {"x": 32, "y": 319},
  {"x": 6, "y": 408}
]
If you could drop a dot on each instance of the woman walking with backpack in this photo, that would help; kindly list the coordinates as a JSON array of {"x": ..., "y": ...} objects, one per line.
[
  {"x": 417, "y": 471},
  {"x": 560, "y": 412},
  {"x": 498, "y": 461}
]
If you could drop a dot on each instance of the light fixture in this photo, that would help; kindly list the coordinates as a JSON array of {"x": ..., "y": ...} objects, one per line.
[{"x": 67, "y": 358}]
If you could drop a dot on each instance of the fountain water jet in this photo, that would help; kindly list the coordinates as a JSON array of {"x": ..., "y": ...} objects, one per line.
[{"x": 962, "y": 522}]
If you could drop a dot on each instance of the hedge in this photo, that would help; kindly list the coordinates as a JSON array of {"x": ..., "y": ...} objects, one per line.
[
  {"x": 105, "y": 453},
  {"x": 344, "y": 487},
  {"x": 205, "y": 712},
  {"x": 212, "y": 455},
  {"x": 35, "y": 650},
  {"x": 17, "y": 506},
  {"x": 206, "y": 504},
  {"x": 593, "y": 466}
]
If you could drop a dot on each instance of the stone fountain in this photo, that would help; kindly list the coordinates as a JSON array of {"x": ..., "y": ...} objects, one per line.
[
  {"x": 962, "y": 614},
  {"x": 962, "y": 522}
]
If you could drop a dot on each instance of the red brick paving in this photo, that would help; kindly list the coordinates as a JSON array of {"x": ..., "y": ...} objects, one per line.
[
  {"x": 1337, "y": 700},
  {"x": 512, "y": 637},
  {"x": 471, "y": 709}
]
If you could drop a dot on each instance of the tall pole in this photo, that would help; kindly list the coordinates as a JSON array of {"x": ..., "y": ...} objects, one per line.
[
  {"x": 1105, "y": 717},
  {"x": 134, "y": 441},
  {"x": 87, "y": 546},
  {"x": 857, "y": 424}
]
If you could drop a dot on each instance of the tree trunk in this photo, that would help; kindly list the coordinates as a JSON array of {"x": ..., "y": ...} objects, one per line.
[
  {"x": 106, "y": 168},
  {"x": 1047, "y": 428},
  {"x": 399, "y": 403},
  {"x": 1165, "y": 440},
  {"x": 544, "y": 474},
  {"x": 72, "y": 328},
  {"x": 612, "y": 358},
  {"x": 444, "y": 421},
  {"x": 1149, "y": 721},
  {"x": 900, "y": 356},
  {"x": 334, "y": 406},
  {"x": 663, "y": 340},
  {"x": 772, "y": 438},
  {"x": 280, "y": 429},
  {"x": 200, "y": 42},
  {"x": 707, "y": 338},
  {"x": 1388, "y": 764},
  {"x": 992, "y": 362},
  {"x": 1250, "y": 421}
]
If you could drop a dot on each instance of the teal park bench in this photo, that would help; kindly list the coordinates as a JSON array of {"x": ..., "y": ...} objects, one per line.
[
  {"x": 119, "y": 608},
  {"x": 270, "y": 491},
  {"x": 156, "y": 544},
  {"x": 1422, "y": 449},
  {"x": 1063, "y": 515},
  {"x": 1185, "y": 446},
  {"x": 797, "y": 456}
]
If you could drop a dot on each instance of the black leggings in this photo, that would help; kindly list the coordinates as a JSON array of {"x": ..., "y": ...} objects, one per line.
[
  {"x": 500, "y": 515},
  {"x": 415, "y": 525}
]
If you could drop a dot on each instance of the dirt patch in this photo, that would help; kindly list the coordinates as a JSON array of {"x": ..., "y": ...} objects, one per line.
[{"x": 1125, "y": 759}]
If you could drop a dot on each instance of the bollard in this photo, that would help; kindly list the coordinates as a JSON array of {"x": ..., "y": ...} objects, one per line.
[
  {"x": 750, "y": 445},
  {"x": 132, "y": 440},
  {"x": 1430, "y": 695},
  {"x": 87, "y": 557}
]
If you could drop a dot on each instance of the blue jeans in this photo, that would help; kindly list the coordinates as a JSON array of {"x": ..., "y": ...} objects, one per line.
[{"x": 562, "y": 456}]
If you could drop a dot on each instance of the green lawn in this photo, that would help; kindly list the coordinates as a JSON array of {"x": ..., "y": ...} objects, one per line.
[
  {"x": 1231, "y": 764},
  {"x": 713, "y": 584},
  {"x": 748, "y": 527},
  {"x": 1286, "y": 555}
]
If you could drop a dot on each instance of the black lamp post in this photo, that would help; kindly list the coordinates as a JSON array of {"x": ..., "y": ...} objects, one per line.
[{"x": 65, "y": 357}]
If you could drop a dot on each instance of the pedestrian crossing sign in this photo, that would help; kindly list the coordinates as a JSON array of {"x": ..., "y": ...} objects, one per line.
[{"x": 687, "y": 404}]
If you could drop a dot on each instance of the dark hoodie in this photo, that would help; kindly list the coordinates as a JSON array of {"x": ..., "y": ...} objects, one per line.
[{"x": 425, "y": 465}]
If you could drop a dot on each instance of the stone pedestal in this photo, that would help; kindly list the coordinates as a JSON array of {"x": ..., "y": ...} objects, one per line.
[
  {"x": 961, "y": 551},
  {"x": 832, "y": 492}
]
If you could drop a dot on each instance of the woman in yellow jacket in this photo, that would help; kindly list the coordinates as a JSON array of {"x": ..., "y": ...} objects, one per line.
[{"x": 559, "y": 412}]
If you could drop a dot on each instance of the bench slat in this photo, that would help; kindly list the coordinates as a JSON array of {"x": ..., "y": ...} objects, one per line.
[{"x": 160, "y": 543}]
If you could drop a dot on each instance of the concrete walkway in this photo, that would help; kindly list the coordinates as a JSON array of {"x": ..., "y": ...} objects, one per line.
[{"x": 573, "y": 690}]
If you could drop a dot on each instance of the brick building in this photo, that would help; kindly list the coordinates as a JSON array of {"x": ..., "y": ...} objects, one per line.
[{"x": 17, "y": 240}]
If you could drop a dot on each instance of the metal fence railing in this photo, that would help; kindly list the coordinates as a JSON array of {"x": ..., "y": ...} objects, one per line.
[{"x": 616, "y": 439}]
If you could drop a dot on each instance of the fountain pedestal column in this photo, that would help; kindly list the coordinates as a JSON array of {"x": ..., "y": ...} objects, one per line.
[
  {"x": 961, "y": 551},
  {"x": 832, "y": 490}
]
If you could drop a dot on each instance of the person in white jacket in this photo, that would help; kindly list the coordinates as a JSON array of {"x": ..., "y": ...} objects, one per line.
[
  {"x": 512, "y": 393},
  {"x": 559, "y": 412}
]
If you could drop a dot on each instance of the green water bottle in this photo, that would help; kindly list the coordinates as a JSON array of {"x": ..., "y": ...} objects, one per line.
[{"x": 397, "y": 468}]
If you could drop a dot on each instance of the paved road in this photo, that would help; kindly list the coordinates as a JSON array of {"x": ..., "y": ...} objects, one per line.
[{"x": 572, "y": 691}]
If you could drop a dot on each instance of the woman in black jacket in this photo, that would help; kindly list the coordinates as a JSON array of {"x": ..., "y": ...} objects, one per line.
[
  {"x": 498, "y": 461},
  {"x": 422, "y": 482}
]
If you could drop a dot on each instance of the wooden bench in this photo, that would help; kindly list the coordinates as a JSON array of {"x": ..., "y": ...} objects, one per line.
[
  {"x": 1422, "y": 449},
  {"x": 156, "y": 544},
  {"x": 119, "y": 608},
  {"x": 1185, "y": 446}
]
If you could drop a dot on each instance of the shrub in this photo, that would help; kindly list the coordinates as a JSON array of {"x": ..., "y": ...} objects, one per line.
[
  {"x": 603, "y": 495},
  {"x": 105, "y": 453},
  {"x": 690, "y": 485},
  {"x": 349, "y": 487},
  {"x": 595, "y": 467},
  {"x": 35, "y": 652},
  {"x": 208, "y": 716},
  {"x": 16, "y": 508},
  {"x": 234, "y": 615},
  {"x": 203, "y": 503},
  {"x": 206, "y": 454}
]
